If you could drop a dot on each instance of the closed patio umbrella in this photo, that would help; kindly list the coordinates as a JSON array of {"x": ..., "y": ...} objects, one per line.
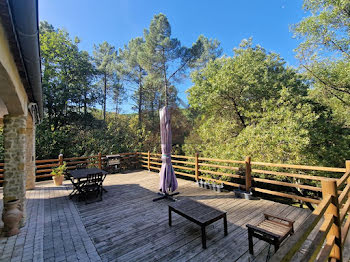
[{"x": 168, "y": 182}]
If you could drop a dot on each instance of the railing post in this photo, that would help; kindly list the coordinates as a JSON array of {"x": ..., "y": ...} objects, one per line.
[
  {"x": 248, "y": 174},
  {"x": 329, "y": 187},
  {"x": 60, "y": 159},
  {"x": 347, "y": 166},
  {"x": 196, "y": 172},
  {"x": 149, "y": 161},
  {"x": 100, "y": 160}
]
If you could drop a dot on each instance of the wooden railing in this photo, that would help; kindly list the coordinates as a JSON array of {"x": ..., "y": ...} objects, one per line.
[
  {"x": 331, "y": 199},
  {"x": 250, "y": 176},
  {"x": 44, "y": 166}
]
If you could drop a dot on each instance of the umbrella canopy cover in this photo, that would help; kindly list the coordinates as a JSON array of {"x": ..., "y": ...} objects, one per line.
[{"x": 167, "y": 175}]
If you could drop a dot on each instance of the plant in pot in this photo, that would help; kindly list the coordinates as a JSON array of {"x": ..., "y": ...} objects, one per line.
[
  {"x": 58, "y": 174},
  {"x": 219, "y": 188},
  {"x": 214, "y": 185}
]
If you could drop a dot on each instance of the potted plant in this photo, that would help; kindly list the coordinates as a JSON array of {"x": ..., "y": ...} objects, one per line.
[
  {"x": 214, "y": 186},
  {"x": 58, "y": 174},
  {"x": 219, "y": 187}
]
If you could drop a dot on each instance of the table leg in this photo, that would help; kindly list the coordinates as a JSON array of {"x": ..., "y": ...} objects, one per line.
[
  {"x": 250, "y": 240},
  {"x": 225, "y": 225},
  {"x": 169, "y": 216},
  {"x": 204, "y": 238}
]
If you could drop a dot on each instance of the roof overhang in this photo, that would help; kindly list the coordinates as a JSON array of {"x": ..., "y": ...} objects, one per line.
[{"x": 20, "y": 21}]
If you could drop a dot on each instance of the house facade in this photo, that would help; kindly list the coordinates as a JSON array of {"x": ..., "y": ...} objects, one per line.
[{"x": 20, "y": 94}]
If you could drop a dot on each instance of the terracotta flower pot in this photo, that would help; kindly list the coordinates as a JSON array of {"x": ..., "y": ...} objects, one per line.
[
  {"x": 11, "y": 218},
  {"x": 58, "y": 180}
]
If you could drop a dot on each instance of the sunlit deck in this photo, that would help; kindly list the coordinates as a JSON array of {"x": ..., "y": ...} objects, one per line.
[{"x": 128, "y": 226}]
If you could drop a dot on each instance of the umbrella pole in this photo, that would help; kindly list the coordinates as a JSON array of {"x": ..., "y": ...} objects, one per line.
[{"x": 166, "y": 196}]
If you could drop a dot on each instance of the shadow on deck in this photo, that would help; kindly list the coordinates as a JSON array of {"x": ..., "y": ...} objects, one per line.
[{"x": 128, "y": 226}]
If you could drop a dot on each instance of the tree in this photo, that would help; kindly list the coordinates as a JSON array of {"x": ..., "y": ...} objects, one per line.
[
  {"x": 133, "y": 73},
  {"x": 67, "y": 75},
  {"x": 164, "y": 57},
  {"x": 104, "y": 56},
  {"x": 325, "y": 51},
  {"x": 237, "y": 87}
]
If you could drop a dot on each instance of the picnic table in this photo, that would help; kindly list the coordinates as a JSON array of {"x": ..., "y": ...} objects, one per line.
[
  {"x": 198, "y": 213},
  {"x": 79, "y": 176}
]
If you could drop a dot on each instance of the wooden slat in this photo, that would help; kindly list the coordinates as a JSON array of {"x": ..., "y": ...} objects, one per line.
[
  {"x": 143, "y": 153},
  {"x": 155, "y": 163},
  {"x": 183, "y": 167},
  {"x": 342, "y": 180},
  {"x": 221, "y": 173},
  {"x": 43, "y": 176},
  {"x": 144, "y": 166},
  {"x": 153, "y": 167},
  {"x": 143, "y": 161},
  {"x": 43, "y": 171},
  {"x": 275, "y": 193},
  {"x": 2, "y": 170},
  {"x": 220, "y": 181},
  {"x": 316, "y": 168},
  {"x": 326, "y": 250},
  {"x": 154, "y": 158},
  {"x": 275, "y": 182},
  {"x": 344, "y": 211},
  {"x": 182, "y": 162},
  {"x": 344, "y": 231},
  {"x": 219, "y": 166},
  {"x": 268, "y": 172},
  {"x": 1, "y": 164},
  {"x": 344, "y": 194},
  {"x": 220, "y": 160},
  {"x": 46, "y": 160},
  {"x": 47, "y": 165},
  {"x": 294, "y": 242},
  {"x": 317, "y": 242}
]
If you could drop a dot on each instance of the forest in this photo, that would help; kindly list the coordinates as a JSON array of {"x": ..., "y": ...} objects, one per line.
[{"x": 250, "y": 103}]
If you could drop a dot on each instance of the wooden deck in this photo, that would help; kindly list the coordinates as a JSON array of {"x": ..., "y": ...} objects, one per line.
[{"x": 128, "y": 226}]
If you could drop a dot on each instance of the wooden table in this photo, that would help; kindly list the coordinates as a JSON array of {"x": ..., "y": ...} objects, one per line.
[{"x": 198, "y": 213}]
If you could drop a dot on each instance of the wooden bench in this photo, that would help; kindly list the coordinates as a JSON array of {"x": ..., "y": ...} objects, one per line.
[
  {"x": 198, "y": 213},
  {"x": 271, "y": 229}
]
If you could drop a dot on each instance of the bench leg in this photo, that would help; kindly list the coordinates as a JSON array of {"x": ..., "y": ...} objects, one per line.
[
  {"x": 276, "y": 245},
  {"x": 250, "y": 240},
  {"x": 225, "y": 225},
  {"x": 169, "y": 217},
  {"x": 204, "y": 238}
]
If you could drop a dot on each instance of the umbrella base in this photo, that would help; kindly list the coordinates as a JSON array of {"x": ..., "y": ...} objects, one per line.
[{"x": 166, "y": 196}]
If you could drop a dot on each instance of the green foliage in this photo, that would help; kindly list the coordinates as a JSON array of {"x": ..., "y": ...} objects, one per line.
[
  {"x": 59, "y": 171},
  {"x": 252, "y": 104},
  {"x": 324, "y": 52}
]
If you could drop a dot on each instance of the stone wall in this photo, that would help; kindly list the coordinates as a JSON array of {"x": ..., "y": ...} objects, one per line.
[
  {"x": 30, "y": 153},
  {"x": 14, "y": 159}
]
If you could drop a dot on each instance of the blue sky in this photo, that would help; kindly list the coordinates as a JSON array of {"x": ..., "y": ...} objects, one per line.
[{"x": 117, "y": 21}]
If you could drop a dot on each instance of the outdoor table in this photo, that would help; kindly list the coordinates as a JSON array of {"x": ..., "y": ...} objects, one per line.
[
  {"x": 198, "y": 213},
  {"x": 78, "y": 176}
]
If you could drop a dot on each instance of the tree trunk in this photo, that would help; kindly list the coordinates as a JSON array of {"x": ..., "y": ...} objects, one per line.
[
  {"x": 104, "y": 96},
  {"x": 140, "y": 103}
]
